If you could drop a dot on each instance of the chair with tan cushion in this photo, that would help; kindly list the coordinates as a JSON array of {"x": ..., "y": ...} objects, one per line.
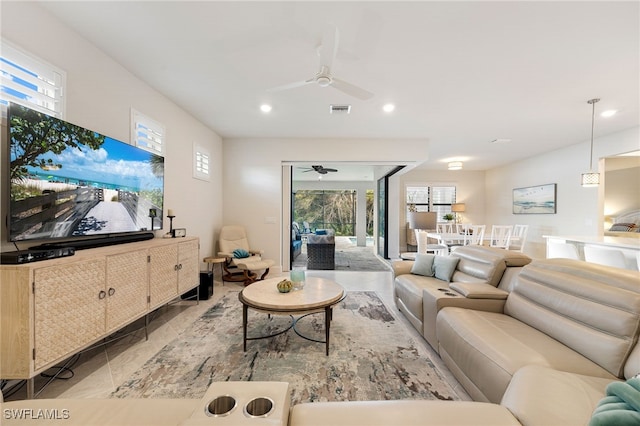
[{"x": 233, "y": 240}]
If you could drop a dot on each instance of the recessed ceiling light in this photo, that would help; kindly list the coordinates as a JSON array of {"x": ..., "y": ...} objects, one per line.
[
  {"x": 265, "y": 108},
  {"x": 455, "y": 165},
  {"x": 608, "y": 113},
  {"x": 388, "y": 107}
]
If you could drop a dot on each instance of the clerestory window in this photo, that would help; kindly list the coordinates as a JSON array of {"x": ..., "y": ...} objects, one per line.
[{"x": 30, "y": 81}]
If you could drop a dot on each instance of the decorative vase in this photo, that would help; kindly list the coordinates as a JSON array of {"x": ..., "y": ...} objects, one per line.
[{"x": 297, "y": 276}]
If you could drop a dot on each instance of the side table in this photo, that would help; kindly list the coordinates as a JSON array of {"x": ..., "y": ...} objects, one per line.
[{"x": 211, "y": 262}]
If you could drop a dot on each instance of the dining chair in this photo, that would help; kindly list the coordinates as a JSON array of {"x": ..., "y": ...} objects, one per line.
[
  {"x": 500, "y": 236},
  {"x": 605, "y": 256},
  {"x": 518, "y": 237},
  {"x": 476, "y": 236},
  {"x": 444, "y": 228},
  {"x": 564, "y": 250},
  {"x": 424, "y": 247}
]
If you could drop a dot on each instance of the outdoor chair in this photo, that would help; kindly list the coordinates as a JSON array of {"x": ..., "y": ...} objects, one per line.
[{"x": 321, "y": 251}]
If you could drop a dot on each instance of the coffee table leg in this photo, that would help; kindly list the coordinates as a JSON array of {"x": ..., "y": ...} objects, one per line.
[
  {"x": 245, "y": 309},
  {"x": 327, "y": 323}
]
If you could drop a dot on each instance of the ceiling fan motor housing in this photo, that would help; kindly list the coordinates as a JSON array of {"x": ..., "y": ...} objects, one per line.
[{"x": 323, "y": 80}]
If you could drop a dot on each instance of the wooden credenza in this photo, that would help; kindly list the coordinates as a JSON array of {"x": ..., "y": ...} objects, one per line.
[{"x": 52, "y": 309}]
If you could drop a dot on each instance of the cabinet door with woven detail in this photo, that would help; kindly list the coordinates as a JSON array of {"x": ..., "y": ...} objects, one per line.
[
  {"x": 69, "y": 308},
  {"x": 188, "y": 270},
  {"x": 163, "y": 274},
  {"x": 127, "y": 288}
]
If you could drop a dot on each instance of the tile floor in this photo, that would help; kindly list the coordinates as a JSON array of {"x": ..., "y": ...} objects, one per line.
[{"x": 100, "y": 370}]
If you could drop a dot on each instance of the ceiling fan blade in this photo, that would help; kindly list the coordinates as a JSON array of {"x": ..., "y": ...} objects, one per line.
[
  {"x": 290, "y": 85},
  {"x": 350, "y": 89},
  {"x": 330, "y": 170},
  {"x": 329, "y": 46}
]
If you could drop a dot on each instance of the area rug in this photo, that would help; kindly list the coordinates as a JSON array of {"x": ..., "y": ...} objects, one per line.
[
  {"x": 350, "y": 259},
  {"x": 372, "y": 356}
]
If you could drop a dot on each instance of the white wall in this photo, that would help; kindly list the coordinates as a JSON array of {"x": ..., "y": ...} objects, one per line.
[
  {"x": 579, "y": 210},
  {"x": 100, "y": 94}
]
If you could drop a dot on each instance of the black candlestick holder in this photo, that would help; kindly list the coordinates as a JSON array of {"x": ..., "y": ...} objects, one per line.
[{"x": 171, "y": 223}]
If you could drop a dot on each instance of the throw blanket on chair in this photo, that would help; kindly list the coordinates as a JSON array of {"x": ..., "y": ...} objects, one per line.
[{"x": 621, "y": 406}]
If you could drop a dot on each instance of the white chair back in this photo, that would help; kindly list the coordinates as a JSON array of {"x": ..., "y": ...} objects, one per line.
[
  {"x": 444, "y": 228},
  {"x": 501, "y": 236},
  {"x": 463, "y": 228},
  {"x": 477, "y": 235},
  {"x": 424, "y": 246},
  {"x": 518, "y": 237},
  {"x": 563, "y": 250},
  {"x": 605, "y": 256}
]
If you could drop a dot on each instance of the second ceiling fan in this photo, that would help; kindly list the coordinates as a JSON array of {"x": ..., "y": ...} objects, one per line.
[
  {"x": 324, "y": 78},
  {"x": 320, "y": 169}
]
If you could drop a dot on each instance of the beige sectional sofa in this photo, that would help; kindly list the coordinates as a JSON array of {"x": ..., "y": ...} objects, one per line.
[
  {"x": 567, "y": 329},
  {"x": 482, "y": 279}
]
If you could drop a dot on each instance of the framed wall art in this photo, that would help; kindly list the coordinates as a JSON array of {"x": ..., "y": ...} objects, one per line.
[{"x": 539, "y": 199}]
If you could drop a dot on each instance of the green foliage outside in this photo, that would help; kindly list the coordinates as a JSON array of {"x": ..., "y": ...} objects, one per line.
[
  {"x": 330, "y": 210},
  {"x": 34, "y": 134},
  {"x": 155, "y": 196}
]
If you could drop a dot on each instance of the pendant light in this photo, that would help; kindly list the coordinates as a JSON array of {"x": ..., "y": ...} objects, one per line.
[{"x": 592, "y": 178}]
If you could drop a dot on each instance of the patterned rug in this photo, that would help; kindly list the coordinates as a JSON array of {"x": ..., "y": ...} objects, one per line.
[
  {"x": 372, "y": 356},
  {"x": 350, "y": 259}
]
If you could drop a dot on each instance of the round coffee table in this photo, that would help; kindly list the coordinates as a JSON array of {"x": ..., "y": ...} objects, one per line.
[{"x": 318, "y": 295}]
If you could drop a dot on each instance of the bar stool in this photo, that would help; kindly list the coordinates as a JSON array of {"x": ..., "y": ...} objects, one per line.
[{"x": 605, "y": 256}]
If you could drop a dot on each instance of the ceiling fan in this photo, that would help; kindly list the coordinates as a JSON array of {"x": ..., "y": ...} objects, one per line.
[
  {"x": 320, "y": 169},
  {"x": 327, "y": 53}
]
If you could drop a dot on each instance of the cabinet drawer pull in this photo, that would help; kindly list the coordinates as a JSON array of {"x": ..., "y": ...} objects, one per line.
[
  {"x": 112, "y": 291},
  {"x": 102, "y": 294},
  {"x": 175, "y": 267},
  {"x": 180, "y": 266}
]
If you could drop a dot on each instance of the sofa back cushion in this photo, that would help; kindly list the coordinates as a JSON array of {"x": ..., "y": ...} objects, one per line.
[
  {"x": 573, "y": 302},
  {"x": 478, "y": 263},
  {"x": 321, "y": 239}
]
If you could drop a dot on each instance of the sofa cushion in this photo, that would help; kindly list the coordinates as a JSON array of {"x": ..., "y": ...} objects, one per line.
[
  {"x": 408, "y": 288},
  {"x": 444, "y": 266},
  {"x": 543, "y": 396},
  {"x": 423, "y": 265},
  {"x": 480, "y": 263},
  {"x": 573, "y": 303},
  {"x": 488, "y": 348},
  {"x": 400, "y": 412}
]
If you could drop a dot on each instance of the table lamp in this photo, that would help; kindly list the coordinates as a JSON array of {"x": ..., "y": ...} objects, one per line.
[{"x": 458, "y": 208}]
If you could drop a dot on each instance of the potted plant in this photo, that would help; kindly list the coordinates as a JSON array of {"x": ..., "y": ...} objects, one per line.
[{"x": 448, "y": 217}]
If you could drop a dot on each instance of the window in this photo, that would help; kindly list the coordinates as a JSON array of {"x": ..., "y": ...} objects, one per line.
[
  {"x": 147, "y": 133},
  {"x": 31, "y": 82},
  {"x": 201, "y": 163},
  {"x": 430, "y": 199}
]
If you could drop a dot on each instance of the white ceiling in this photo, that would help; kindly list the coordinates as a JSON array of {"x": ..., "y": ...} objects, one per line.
[{"x": 460, "y": 73}]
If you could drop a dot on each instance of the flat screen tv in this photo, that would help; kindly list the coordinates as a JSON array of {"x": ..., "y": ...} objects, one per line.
[{"x": 73, "y": 183}]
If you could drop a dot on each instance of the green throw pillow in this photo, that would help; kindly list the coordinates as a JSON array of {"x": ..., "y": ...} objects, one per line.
[
  {"x": 444, "y": 266},
  {"x": 423, "y": 265}
]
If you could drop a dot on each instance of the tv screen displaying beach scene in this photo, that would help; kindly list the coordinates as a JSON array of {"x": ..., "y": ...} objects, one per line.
[{"x": 67, "y": 181}]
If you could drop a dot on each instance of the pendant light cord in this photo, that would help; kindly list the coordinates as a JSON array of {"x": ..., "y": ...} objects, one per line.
[{"x": 593, "y": 119}]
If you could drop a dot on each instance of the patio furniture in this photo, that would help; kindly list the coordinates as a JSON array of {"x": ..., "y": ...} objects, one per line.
[{"x": 321, "y": 250}]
